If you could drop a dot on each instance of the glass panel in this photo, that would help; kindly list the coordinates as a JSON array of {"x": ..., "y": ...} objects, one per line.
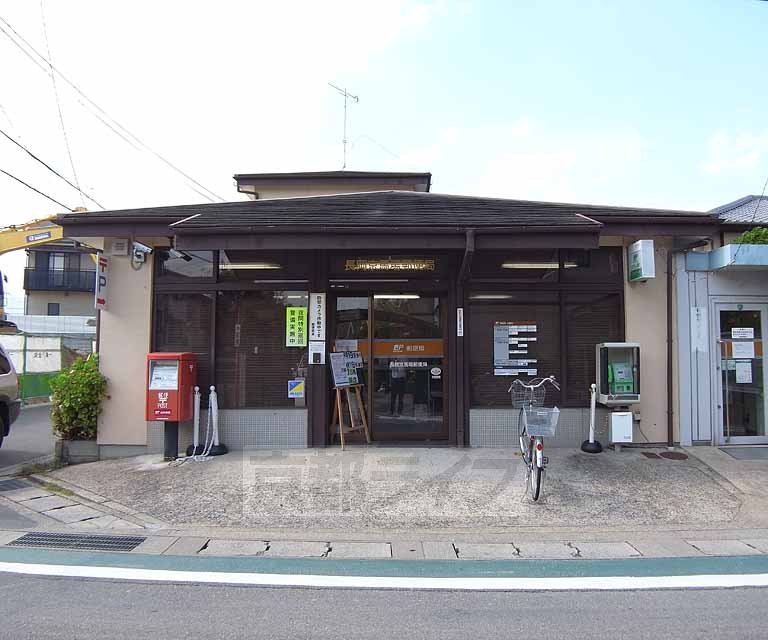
[
  {"x": 183, "y": 323},
  {"x": 742, "y": 373},
  {"x": 259, "y": 266},
  {"x": 593, "y": 265},
  {"x": 590, "y": 318},
  {"x": 253, "y": 363},
  {"x": 408, "y": 397},
  {"x": 522, "y": 265},
  {"x": 176, "y": 266},
  {"x": 534, "y": 348},
  {"x": 56, "y": 262},
  {"x": 404, "y": 316}
]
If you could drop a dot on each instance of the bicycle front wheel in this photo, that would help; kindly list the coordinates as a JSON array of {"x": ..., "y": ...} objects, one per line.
[{"x": 535, "y": 478}]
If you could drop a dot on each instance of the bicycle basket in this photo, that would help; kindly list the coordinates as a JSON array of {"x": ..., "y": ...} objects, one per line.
[
  {"x": 523, "y": 396},
  {"x": 541, "y": 421}
]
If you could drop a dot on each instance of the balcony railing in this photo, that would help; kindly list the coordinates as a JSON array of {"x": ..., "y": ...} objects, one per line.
[{"x": 57, "y": 280}]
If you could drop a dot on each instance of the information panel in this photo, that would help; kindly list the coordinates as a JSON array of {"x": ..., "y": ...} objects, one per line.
[
  {"x": 513, "y": 344},
  {"x": 344, "y": 367}
]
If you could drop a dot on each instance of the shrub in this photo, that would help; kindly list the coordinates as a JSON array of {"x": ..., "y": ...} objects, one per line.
[
  {"x": 77, "y": 396},
  {"x": 758, "y": 235}
]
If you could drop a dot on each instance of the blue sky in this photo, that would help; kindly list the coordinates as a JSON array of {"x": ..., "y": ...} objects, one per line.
[{"x": 641, "y": 103}]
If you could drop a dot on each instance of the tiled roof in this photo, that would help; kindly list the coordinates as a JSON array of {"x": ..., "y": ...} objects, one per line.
[
  {"x": 746, "y": 210},
  {"x": 387, "y": 209}
]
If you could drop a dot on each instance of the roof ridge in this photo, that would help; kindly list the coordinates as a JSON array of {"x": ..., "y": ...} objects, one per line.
[{"x": 729, "y": 206}]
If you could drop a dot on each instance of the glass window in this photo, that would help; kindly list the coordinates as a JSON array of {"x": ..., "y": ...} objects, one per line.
[
  {"x": 179, "y": 266},
  {"x": 259, "y": 266},
  {"x": 589, "y": 319},
  {"x": 253, "y": 363},
  {"x": 406, "y": 316},
  {"x": 183, "y": 324},
  {"x": 56, "y": 262},
  {"x": 523, "y": 265},
  {"x": 351, "y": 318},
  {"x": 603, "y": 265},
  {"x": 54, "y": 309},
  {"x": 533, "y": 334}
]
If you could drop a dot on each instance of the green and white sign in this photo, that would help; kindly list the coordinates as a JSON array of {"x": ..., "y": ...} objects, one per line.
[
  {"x": 641, "y": 261},
  {"x": 295, "y": 326}
]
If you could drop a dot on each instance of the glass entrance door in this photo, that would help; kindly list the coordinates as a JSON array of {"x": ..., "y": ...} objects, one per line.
[
  {"x": 742, "y": 374},
  {"x": 400, "y": 338}
]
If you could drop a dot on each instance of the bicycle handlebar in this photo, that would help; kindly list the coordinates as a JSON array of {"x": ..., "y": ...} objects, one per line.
[{"x": 531, "y": 385}]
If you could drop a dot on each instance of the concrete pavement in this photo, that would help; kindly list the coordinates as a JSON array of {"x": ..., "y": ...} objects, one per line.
[{"x": 737, "y": 529}]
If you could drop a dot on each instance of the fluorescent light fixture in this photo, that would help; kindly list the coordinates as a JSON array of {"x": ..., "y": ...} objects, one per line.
[
  {"x": 234, "y": 266},
  {"x": 529, "y": 265},
  {"x": 537, "y": 265},
  {"x": 491, "y": 296},
  {"x": 396, "y": 296}
]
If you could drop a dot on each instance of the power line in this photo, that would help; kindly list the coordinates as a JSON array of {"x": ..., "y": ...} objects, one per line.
[
  {"x": 105, "y": 115},
  {"x": 58, "y": 101},
  {"x": 29, "y": 186},
  {"x": 50, "y": 168}
]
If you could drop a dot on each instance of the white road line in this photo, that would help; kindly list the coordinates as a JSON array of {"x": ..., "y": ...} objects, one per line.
[{"x": 380, "y": 582}]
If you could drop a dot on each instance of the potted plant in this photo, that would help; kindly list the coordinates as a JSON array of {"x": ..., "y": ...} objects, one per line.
[{"x": 77, "y": 396}]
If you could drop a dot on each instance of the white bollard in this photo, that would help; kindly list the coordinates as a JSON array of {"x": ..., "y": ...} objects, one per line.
[
  {"x": 591, "y": 445},
  {"x": 217, "y": 449}
]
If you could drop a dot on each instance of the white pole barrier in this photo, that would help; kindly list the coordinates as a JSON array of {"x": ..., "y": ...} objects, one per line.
[
  {"x": 214, "y": 401},
  {"x": 591, "y": 446},
  {"x": 196, "y": 425}
]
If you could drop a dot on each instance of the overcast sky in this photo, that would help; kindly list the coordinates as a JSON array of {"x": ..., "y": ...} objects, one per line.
[{"x": 659, "y": 103}]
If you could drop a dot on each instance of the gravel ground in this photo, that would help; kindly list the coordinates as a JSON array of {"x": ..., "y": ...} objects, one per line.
[{"x": 413, "y": 488}]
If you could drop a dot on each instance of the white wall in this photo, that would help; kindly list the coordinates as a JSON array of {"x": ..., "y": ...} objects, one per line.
[{"x": 124, "y": 341}]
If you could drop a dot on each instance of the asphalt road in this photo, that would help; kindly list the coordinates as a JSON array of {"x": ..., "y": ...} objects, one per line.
[
  {"x": 30, "y": 437},
  {"x": 64, "y": 608}
]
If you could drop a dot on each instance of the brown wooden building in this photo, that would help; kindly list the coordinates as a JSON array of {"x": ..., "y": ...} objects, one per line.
[{"x": 422, "y": 284}]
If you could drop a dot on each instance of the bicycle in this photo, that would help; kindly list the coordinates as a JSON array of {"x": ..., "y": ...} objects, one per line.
[{"x": 534, "y": 422}]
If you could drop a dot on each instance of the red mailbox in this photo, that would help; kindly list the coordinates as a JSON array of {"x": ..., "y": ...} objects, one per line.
[{"x": 171, "y": 379}]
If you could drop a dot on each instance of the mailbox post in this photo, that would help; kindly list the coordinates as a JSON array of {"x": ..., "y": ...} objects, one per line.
[{"x": 171, "y": 378}]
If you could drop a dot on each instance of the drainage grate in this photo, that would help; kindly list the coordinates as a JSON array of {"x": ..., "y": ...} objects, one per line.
[
  {"x": 85, "y": 542},
  {"x": 649, "y": 454},
  {"x": 14, "y": 483}
]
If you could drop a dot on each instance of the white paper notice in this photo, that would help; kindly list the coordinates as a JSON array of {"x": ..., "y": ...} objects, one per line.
[
  {"x": 742, "y": 350},
  {"x": 346, "y": 345},
  {"x": 743, "y": 372},
  {"x": 699, "y": 331},
  {"x": 743, "y": 333}
]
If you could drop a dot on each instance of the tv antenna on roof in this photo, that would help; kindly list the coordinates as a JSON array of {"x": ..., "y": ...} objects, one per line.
[{"x": 346, "y": 95}]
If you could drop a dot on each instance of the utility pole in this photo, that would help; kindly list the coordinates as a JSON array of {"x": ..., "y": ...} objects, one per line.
[{"x": 346, "y": 95}]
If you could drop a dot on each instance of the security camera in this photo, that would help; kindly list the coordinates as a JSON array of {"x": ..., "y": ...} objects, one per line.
[{"x": 141, "y": 248}]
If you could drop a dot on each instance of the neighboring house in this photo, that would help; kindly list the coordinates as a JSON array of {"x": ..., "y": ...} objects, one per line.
[
  {"x": 59, "y": 280},
  {"x": 722, "y": 322},
  {"x": 417, "y": 282}
]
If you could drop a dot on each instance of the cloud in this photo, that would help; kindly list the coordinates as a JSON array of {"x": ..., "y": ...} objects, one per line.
[{"x": 729, "y": 153}]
